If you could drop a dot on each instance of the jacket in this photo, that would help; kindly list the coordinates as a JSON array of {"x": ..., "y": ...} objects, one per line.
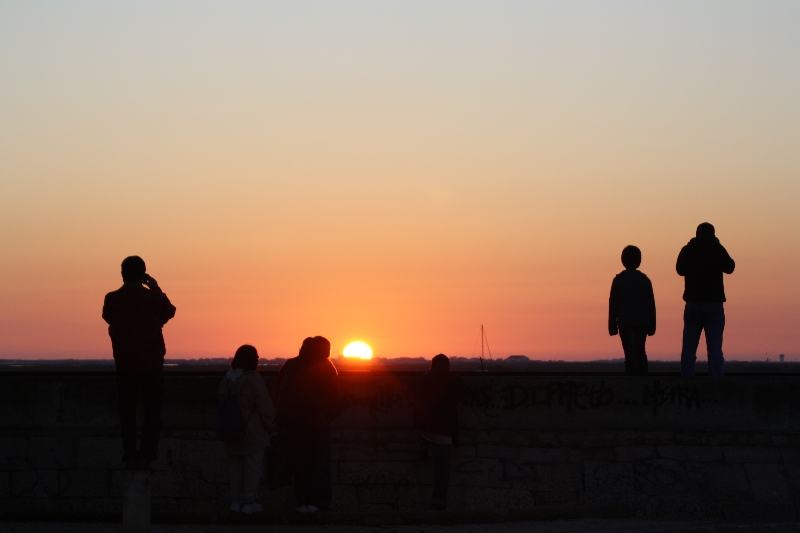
[
  {"x": 702, "y": 262},
  {"x": 254, "y": 400},
  {"x": 135, "y": 316},
  {"x": 631, "y": 303},
  {"x": 307, "y": 393},
  {"x": 437, "y": 394}
]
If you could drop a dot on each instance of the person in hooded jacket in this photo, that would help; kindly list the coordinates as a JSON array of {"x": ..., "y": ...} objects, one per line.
[
  {"x": 436, "y": 418},
  {"x": 307, "y": 392},
  {"x": 247, "y": 453},
  {"x": 702, "y": 262}
]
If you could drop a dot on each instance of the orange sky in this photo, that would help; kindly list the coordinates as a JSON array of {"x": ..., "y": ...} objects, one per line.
[{"x": 395, "y": 174}]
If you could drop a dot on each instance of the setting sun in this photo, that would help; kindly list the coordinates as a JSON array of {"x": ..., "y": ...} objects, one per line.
[{"x": 358, "y": 349}]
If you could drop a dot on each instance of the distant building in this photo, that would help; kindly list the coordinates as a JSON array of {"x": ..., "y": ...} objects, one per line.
[
  {"x": 517, "y": 359},
  {"x": 781, "y": 356}
]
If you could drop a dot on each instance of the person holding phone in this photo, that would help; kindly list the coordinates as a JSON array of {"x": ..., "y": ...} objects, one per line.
[{"x": 136, "y": 314}]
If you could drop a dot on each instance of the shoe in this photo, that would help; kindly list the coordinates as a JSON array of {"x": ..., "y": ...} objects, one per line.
[
  {"x": 236, "y": 507},
  {"x": 301, "y": 509},
  {"x": 311, "y": 509},
  {"x": 252, "y": 507}
]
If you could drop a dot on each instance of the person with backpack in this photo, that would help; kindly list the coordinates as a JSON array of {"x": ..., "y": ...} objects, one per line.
[{"x": 244, "y": 419}]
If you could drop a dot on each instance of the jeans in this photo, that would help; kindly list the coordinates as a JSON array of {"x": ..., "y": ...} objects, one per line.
[
  {"x": 441, "y": 473},
  {"x": 633, "y": 341},
  {"x": 699, "y": 316},
  {"x": 150, "y": 387},
  {"x": 311, "y": 466},
  {"x": 246, "y": 473}
]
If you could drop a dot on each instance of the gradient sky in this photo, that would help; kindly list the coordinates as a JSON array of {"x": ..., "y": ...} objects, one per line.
[{"x": 397, "y": 173}]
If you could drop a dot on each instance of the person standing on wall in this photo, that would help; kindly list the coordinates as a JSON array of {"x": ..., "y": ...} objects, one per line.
[
  {"x": 436, "y": 418},
  {"x": 632, "y": 311},
  {"x": 246, "y": 453},
  {"x": 307, "y": 392},
  {"x": 136, "y": 314},
  {"x": 702, "y": 262}
]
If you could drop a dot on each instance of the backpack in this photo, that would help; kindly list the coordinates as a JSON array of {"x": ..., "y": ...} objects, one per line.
[{"x": 230, "y": 424}]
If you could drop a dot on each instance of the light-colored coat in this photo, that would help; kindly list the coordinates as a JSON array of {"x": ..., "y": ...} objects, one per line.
[{"x": 253, "y": 396}]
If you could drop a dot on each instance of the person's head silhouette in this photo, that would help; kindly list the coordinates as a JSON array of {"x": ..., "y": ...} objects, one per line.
[
  {"x": 440, "y": 363},
  {"x": 631, "y": 257},
  {"x": 133, "y": 269},
  {"x": 705, "y": 230},
  {"x": 246, "y": 358}
]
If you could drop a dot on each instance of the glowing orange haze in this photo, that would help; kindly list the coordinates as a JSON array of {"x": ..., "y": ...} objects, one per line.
[{"x": 400, "y": 178}]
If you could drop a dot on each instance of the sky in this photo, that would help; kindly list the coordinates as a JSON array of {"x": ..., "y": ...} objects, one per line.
[{"x": 398, "y": 173}]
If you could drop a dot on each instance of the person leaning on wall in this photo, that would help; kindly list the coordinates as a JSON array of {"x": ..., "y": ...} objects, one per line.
[
  {"x": 136, "y": 315},
  {"x": 436, "y": 418},
  {"x": 702, "y": 262},
  {"x": 307, "y": 392},
  {"x": 246, "y": 453}
]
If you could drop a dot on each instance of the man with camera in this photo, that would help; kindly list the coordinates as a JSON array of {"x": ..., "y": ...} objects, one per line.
[{"x": 136, "y": 313}]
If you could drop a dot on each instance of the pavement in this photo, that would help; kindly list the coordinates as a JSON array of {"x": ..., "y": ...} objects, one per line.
[{"x": 553, "y": 526}]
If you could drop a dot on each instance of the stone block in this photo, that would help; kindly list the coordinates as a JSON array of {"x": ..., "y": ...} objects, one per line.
[
  {"x": 352, "y": 452},
  {"x": 175, "y": 484},
  {"x": 102, "y": 505},
  {"x": 100, "y": 452},
  {"x": 397, "y": 456},
  {"x": 691, "y": 453},
  {"x": 739, "y": 454},
  {"x": 608, "y": 477},
  {"x": 780, "y": 440},
  {"x": 465, "y": 451},
  {"x": 508, "y": 438},
  {"x": 556, "y": 499},
  {"x": 496, "y": 452},
  {"x": 164, "y": 505},
  {"x": 549, "y": 478},
  {"x": 760, "y": 512},
  {"x": 768, "y": 482},
  {"x": 85, "y": 483},
  {"x": 207, "y": 457},
  {"x": 358, "y": 472},
  {"x": 13, "y": 453},
  {"x": 210, "y": 490},
  {"x": 542, "y": 455},
  {"x": 375, "y": 508},
  {"x": 402, "y": 446},
  {"x": 33, "y": 484},
  {"x": 414, "y": 497},
  {"x": 376, "y": 494},
  {"x": 629, "y": 454},
  {"x": 684, "y": 509},
  {"x": 498, "y": 500},
  {"x": 197, "y": 506},
  {"x": 51, "y": 452},
  {"x": 790, "y": 455},
  {"x": 345, "y": 499},
  {"x": 660, "y": 477},
  {"x": 469, "y": 471},
  {"x": 716, "y": 478}
]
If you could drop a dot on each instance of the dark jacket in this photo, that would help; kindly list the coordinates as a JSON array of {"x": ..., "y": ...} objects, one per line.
[
  {"x": 437, "y": 394},
  {"x": 307, "y": 393},
  {"x": 135, "y": 316},
  {"x": 702, "y": 263},
  {"x": 632, "y": 303}
]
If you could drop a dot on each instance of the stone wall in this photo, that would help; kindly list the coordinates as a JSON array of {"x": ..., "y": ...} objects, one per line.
[{"x": 660, "y": 447}]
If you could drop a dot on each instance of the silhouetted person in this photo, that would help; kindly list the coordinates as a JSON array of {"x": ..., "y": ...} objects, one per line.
[
  {"x": 135, "y": 316},
  {"x": 632, "y": 311},
  {"x": 247, "y": 453},
  {"x": 702, "y": 263},
  {"x": 436, "y": 417},
  {"x": 307, "y": 392}
]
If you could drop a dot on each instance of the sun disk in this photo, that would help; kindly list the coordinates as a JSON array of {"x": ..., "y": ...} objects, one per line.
[{"x": 358, "y": 349}]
